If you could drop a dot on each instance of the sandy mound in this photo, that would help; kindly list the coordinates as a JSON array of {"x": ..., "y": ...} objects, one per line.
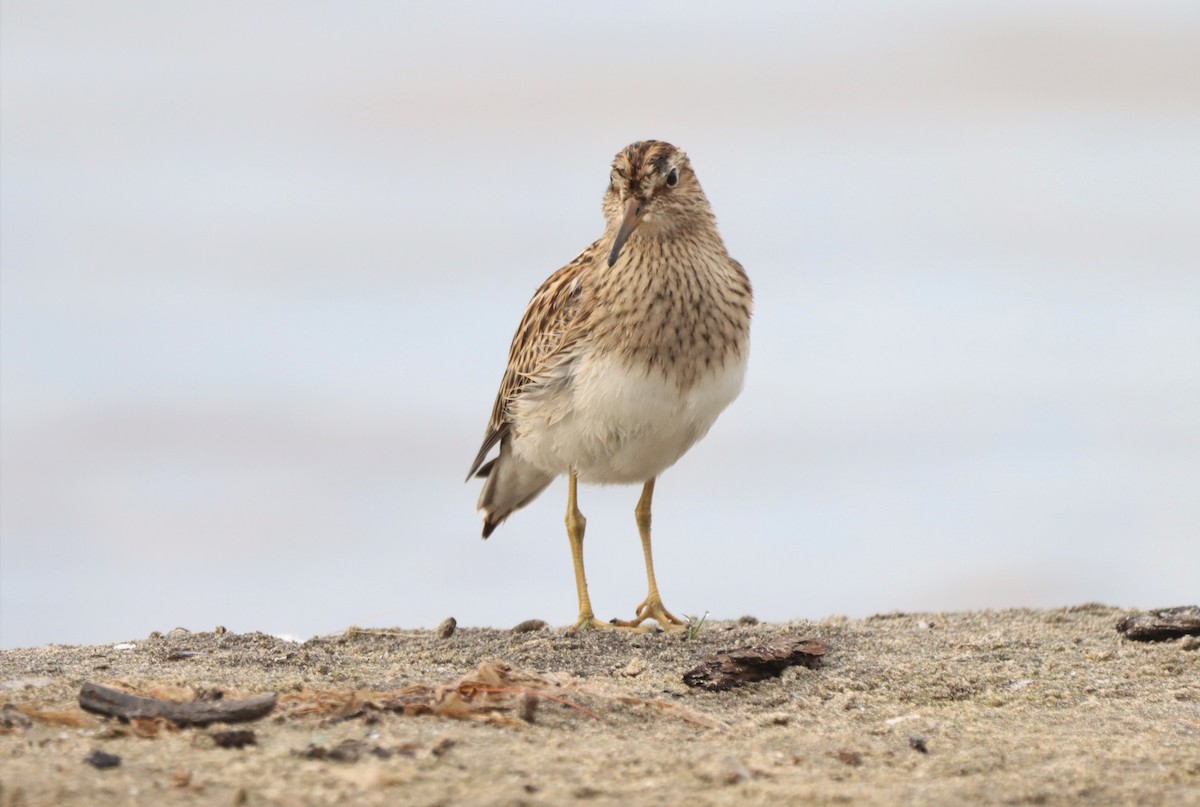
[{"x": 1012, "y": 707}]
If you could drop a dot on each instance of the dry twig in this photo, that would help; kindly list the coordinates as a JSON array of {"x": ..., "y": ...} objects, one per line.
[{"x": 105, "y": 701}]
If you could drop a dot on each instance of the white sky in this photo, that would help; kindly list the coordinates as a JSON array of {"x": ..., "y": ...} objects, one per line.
[{"x": 261, "y": 263}]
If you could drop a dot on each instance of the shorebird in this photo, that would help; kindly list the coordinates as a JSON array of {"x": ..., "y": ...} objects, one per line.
[{"x": 623, "y": 359}]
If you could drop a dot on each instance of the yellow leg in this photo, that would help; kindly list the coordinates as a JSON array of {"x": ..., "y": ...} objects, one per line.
[
  {"x": 652, "y": 606},
  {"x": 576, "y": 524}
]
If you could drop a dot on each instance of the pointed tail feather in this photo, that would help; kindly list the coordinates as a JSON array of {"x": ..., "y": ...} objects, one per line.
[{"x": 511, "y": 483}]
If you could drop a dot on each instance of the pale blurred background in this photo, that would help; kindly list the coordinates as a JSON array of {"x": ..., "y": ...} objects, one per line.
[{"x": 262, "y": 262}]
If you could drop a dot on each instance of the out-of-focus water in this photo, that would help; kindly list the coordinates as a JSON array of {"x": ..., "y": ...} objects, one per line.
[{"x": 261, "y": 264}]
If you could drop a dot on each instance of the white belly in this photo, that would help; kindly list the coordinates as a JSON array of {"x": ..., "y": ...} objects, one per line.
[{"x": 614, "y": 425}]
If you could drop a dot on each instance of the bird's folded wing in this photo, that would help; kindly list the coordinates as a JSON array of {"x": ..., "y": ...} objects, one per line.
[{"x": 542, "y": 339}]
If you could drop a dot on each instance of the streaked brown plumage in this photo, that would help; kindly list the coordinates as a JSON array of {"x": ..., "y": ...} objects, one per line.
[{"x": 623, "y": 358}]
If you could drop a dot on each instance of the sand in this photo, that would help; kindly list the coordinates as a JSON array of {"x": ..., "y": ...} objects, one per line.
[{"x": 1009, "y": 707}]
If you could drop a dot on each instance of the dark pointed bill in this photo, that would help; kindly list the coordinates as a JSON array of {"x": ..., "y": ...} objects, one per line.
[{"x": 633, "y": 216}]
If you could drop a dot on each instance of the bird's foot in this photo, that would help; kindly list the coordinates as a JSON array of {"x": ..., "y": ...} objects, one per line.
[
  {"x": 652, "y": 608},
  {"x": 590, "y": 622}
]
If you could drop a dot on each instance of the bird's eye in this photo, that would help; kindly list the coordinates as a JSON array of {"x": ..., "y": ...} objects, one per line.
[{"x": 672, "y": 178}]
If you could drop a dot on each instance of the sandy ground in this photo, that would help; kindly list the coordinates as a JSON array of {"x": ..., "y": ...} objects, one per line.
[{"x": 1011, "y": 707}]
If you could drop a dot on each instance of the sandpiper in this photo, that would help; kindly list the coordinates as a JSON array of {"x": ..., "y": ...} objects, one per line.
[{"x": 623, "y": 359}]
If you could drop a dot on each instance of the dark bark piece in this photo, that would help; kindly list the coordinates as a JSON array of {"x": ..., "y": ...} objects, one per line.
[
  {"x": 105, "y": 701},
  {"x": 730, "y": 668},
  {"x": 1163, "y": 623}
]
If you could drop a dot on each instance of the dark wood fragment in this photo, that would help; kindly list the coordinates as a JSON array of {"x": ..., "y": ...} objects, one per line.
[
  {"x": 1163, "y": 623},
  {"x": 105, "y": 701},
  {"x": 730, "y": 668}
]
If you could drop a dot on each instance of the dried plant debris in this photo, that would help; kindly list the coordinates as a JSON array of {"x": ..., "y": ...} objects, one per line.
[
  {"x": 1164, "y": 623},
  {"x": 114, "y": 703},
  {"x": 730, "y": 668},
  {"x": 493, "y": 693}
]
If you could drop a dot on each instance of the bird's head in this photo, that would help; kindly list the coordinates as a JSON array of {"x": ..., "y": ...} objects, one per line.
[{"x": 652, "y": 188}]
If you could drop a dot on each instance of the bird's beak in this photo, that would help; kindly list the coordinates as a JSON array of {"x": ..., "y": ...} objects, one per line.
[{"x": 633, "y": 217}]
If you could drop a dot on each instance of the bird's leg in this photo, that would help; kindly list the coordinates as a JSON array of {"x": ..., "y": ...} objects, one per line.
[
  {"x": 652, "y": 606},
  {"x": 575, "y": 528}
]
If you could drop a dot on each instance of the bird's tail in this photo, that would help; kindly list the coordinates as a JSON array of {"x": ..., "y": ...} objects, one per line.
[{"x": 511, "y": 484}]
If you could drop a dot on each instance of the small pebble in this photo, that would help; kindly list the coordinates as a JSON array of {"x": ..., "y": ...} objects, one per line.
[
  {"x": 446, "y": 627},
  {"x": 917, "y": 743},
  {"x": 635, "y": 668},
  {"x": 529, "y": 626},
  {"x": 747, "y": 620},
  {"x": 775, "y": 719},
  {"x": 102, "y": 760},
  {"x": 234, "y": 738},
  {"x": 442, "y": 745},
  {"x": 719, "y": 769},
  {"x": 12, "y": 717},
  {"x": 529, "y": 706}
]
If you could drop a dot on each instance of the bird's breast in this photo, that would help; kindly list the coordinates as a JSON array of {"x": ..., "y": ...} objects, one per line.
[
  {"x": 683, "y": 316},
  {"x": 621, "y": 423}
]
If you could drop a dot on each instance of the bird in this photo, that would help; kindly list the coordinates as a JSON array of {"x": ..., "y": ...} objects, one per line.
[{"x": 622, "y": 360}]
